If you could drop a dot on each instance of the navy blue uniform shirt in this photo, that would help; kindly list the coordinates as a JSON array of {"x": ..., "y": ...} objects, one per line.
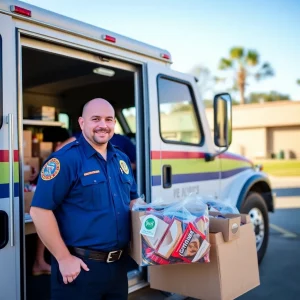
[
  {"x": 123, "y": 142},
  {"x": 89, "y": 196}
]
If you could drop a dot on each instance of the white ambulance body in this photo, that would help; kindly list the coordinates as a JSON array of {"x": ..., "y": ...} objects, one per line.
[{"x": 50, "y": 60}]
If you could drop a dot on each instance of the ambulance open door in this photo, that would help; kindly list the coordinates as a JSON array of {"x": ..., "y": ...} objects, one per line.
[{"x": 179, "y": 137}]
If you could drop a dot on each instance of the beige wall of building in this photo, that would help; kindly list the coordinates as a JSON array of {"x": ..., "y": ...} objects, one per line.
[
  {"x": 249, "y": 141},
  {"x": 287, "y": 139},
  {"x": 260, "y": 130}
]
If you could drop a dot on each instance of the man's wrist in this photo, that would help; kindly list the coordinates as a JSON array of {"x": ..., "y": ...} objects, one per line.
[{"x": 63, "y": 255}]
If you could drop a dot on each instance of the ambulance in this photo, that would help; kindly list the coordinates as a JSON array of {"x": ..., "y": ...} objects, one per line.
[{"x": 50, "y": 65}]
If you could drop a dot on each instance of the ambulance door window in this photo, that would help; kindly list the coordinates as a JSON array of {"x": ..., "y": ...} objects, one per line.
[
  {"x": 179, "y": 122},
  {"x": 1, "y": 84}
]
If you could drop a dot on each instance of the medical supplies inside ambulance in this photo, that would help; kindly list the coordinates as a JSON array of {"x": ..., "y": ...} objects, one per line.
[{"x": 173, "y": 233}]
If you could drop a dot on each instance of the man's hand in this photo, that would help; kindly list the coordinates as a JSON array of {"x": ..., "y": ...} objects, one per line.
[{"x": 70, "y": 267}]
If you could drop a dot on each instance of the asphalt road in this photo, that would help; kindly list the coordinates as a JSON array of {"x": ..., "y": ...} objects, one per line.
[
  {"x": 287, "y": 192},
  {"x": 279, "y": 271}
]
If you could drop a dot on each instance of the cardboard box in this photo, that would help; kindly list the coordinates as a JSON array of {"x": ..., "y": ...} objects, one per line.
[
  {"x": 46, "y": 113},
  {"x": 29, "y": 163},
  {"x": 27, "y": 140},
  {"x": 46, "y": 148},
  {"x": 42, "y": 149},
  {"x": 162, "y": 226},
  {"x": 230, "y": 226},
  {"x": 27, "y": 201},
  {"x": 33, "y": 162},
  {"x": 170, "y": 240},
  {"x": 136, "y": 241},
  {"x": 232, "y": 271}
]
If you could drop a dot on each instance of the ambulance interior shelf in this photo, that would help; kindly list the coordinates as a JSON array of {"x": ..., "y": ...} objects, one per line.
[{"x": 42, "y": 123}]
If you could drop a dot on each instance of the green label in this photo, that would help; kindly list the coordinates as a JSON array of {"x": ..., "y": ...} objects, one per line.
[{"x": 149, "y": 225}]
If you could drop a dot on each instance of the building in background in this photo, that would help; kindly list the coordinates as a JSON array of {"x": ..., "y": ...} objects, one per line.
[{"x": 265, "y": 130}]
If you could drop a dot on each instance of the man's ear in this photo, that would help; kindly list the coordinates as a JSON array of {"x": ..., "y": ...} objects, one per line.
[{"x": 81, "y": 122}]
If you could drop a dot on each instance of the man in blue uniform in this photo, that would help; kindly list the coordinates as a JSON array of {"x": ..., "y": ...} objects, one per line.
[{"x": 81, "y": 210}]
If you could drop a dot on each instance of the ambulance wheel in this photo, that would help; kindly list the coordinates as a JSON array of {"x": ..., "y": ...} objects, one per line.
[{"x": 255, "y": 206}]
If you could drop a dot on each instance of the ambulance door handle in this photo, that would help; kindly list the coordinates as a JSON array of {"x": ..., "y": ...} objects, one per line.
[
  {"x": 11, "y": 177},
  {"x": 167, "y": 176}
]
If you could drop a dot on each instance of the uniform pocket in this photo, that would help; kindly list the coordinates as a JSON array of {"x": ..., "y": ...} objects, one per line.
[
  {"x": 126, "y": 182},
  {"x": 94, "y": 187}
]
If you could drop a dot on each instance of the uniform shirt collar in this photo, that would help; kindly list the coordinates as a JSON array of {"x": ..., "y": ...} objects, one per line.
[{"x": 90, "y": 151}]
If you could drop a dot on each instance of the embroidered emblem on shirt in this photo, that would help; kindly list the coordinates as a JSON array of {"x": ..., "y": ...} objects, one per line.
[
  {"x": 50, "y": 169},
  {"x": 124, "y": 167},
  {"x": 91, "y": 172}
]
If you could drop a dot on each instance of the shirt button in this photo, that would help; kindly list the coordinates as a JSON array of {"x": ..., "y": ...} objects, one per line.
[
  {"x": 109, "y": 177},
  {"x": 115, "y": 195},
  {"x": 95, "y": 181}
]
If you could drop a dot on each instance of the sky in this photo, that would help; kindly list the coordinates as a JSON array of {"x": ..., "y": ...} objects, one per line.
[{"x": 200, "y": 32}]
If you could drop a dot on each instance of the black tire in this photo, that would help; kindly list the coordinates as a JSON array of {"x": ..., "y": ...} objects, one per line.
[{"x": 255, "y": 206}]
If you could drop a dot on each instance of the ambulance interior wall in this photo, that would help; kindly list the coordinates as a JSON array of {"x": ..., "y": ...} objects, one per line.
[
  {"x": 67, "y": 83},
  {"x": 31, "y": 99}
]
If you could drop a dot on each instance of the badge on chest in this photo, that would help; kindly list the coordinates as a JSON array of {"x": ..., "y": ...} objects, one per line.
[{"x": 123, "y": 167}]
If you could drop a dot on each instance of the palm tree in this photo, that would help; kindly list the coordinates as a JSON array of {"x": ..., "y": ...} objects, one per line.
[{"x": 241, "y": 60}]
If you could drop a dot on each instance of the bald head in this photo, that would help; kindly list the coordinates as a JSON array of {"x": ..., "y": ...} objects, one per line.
[
  {"x": 96, "y": 104},
  {"x": 97, "y": 122}
]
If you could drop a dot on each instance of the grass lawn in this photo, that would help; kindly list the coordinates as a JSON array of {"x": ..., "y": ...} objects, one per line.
[{"x": 281, "y": 167}]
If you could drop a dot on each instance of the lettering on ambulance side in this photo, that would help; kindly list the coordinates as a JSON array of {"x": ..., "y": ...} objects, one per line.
[{"x": 182, "y": 192}]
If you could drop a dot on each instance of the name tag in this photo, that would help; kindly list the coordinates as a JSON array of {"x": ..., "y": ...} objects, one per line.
[{"x": 91, "y": 172}]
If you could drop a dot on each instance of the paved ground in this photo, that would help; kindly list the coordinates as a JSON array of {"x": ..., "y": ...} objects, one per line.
[{"x": 279, "y": 271}]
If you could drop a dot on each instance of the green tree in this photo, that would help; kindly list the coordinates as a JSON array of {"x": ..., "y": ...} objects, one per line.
[
  {"x": 298, "y": 81},
  {"x": 241, "y": 61},
  {"x": 267, "y": 97}
]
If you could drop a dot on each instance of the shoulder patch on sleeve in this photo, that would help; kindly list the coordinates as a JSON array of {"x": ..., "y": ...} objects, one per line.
[{"x": 50, "y": 169}]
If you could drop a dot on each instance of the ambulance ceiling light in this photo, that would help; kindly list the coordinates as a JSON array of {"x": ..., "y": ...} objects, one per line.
[{"x": 104, "y": 71}]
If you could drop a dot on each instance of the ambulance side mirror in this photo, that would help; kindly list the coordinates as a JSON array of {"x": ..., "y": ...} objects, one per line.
[
  {"x": 222, "y": 124},
  {"x": 222, "y": 120}
]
